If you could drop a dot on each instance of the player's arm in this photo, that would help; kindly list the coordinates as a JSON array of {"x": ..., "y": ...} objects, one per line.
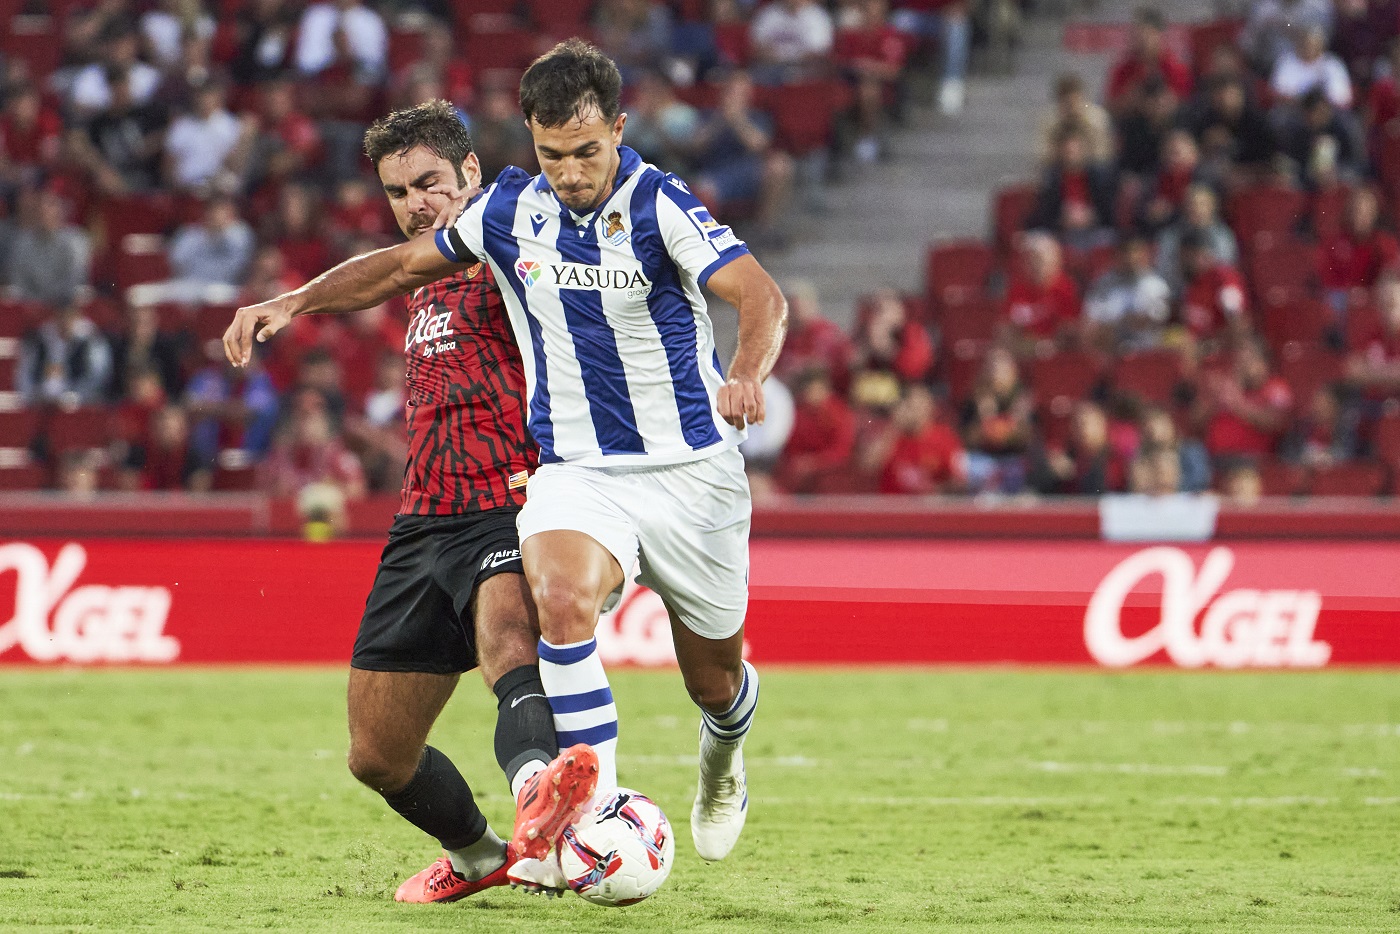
[
  {"x": 747, "y": 286},
  {"x": 360, "y": 282}
]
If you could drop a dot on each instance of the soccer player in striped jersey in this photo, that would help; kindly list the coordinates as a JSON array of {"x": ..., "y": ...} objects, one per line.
[{"x": 601, "y": 259}]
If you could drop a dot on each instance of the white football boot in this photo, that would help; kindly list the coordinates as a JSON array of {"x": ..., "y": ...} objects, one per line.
[
  {"x": 722, "y": 801},
  {"x": 539, "y": 876}
]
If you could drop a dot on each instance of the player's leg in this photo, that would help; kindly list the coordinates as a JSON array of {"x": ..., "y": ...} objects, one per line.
[{"x": 391, "y": 713}]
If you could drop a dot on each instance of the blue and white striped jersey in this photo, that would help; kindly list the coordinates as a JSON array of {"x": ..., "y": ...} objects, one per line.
[{"x": 619, "y": 352}]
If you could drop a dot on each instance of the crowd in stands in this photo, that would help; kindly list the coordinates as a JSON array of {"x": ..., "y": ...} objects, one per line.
[
  {"x": 164, "y": 161},
  {"x": 1201, "y": 290}
]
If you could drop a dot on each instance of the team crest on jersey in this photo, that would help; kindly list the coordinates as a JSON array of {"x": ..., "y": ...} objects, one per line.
[
  {"x": 528, "y": 270},
  {"x": 614, "y": 232},
  {"x": 473, "y": 271}
]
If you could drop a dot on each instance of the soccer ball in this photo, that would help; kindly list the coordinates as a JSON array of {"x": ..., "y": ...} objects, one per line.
[{"x": 619, "y": 850}]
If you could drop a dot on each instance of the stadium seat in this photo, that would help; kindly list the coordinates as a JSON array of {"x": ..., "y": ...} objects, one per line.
[
  {"x": 1385, "y": 440},
  {"x": 139, "y": 262},
  {"x": 1360, "y": 478},
  {"x": 76, "y": 429},
  {"x": 405, "y": 48},
  {"x": 1265, "y": 213},
  {"x": 1325, "y": 211},
  {"x": 975, "y": 320},
  {"x": 135, "y": 214},
  {"x": 1307, "y": 320},
  {"x": 732, "y": 42},
  {"x": 8, "y": 367},
  {"x": 505, "y": 50},
  {"x": 1151, "y": 375},
  {"x": 1279, "y": 479},
  {"x": 1205, "y": 38},
  {"x": 961, "y": 365},
  {"x": 804, "y": 114},
  {"x": 1307, "y": 367},
  {"x": 23, "y": 477},
  {"x": 210, "y": 321},
  {"x": 1061, "y": 380},
  {"x": 1388, "y": 163},
  {"x": 241, "y": 479},
  {"x": 1283, "y": 270},
  {"x": 1363, "y": 321},
  {"x": 35, "y": 40},
  {"x": 957, "y": 271},
  {"x": 16, "y": 318},
  {"x": 562, "y": 18},
  {"x": 1011, "y": 205},
  {"x": 18, "y": 427}
]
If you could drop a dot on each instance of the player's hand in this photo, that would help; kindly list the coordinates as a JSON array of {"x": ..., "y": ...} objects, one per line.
[
  {"x": 261, "y": 321},
  {"x": 457, "y": 199},
  {"x": 741, "y": 401}
]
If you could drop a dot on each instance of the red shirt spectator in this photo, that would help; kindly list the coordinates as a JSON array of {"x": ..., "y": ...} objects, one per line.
[
  {"x": 1041, "y": 299},
  {"x": 1246, "y": 410},
  {"x": 823, "y": 435},
  {"x": 889, "y": 341},
  {"x": 1147, "y": 56},
  {"x": 1374, "y": 364},
  {"x": 1357, "y": 257},
  {"x": 356, "y": 213},
  {"x": 813, "y": 341},
  {"x": 1214, "y": 299},
  {"x": 924, "y": 455},
  {"x": 29, "y": 131},
  {"x": 878, "y": 43}
]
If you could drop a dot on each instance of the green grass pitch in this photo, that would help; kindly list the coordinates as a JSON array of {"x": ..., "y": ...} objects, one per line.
[{"x": 908, "y": 800}]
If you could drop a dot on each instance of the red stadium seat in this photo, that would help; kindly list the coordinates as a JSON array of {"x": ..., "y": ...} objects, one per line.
[
  {"x": 703, "y": 95},
  {"x": 1326, "y": 209},
  {"x": 804, "y": 115},
  {"x": 974, "y": 320},
  {"x": 405, "y": 48},
  {"x": 1361, "y": 478},
  {"x": 77, "y": 429},
  {"x": 241, "y": 479},
  {"x": 506, "y": 50},
  {"x": 1307, "y": 367},
  {"x": 1011, "y": 205},
  {"x": 17, "y": 317},
  {"x": 1264, "y": 214},
  {"x": 1063, "y": 379},
  {"x": 1205, "y": 38},
  {"x": 1279, "y": 479},
  {"x": 1385, "y": 441},
  {"x": 732, "y": 42},
  {"x": 1363, "y": 321},
  {"x": 1307, "y": 321},
  {"x": 137, "y": 263},
  {"x": 1151, "y": 375},
  {"x": 136, "y": 214},
  {"x": 1388, "y": 162},
  {"x": 18, "y": 428},
  {"x": 961, "y": 366},
  {"x": 958, "y": 271},
  {"x": 23, "y": 477},
  {"x": 8, "y": 367},
  {"x": 560, "y": 18},
  {"x": 1283, "y": 270},
  {"x": 35, "y": 40}
]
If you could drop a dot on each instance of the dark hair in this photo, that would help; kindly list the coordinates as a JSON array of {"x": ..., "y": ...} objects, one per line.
[
  {"x": 1070, "y": 82},
  {"x": 434, "y": 125},
  {"x": 568, "y": 81},
  {"x": 1151, "y": 17}
]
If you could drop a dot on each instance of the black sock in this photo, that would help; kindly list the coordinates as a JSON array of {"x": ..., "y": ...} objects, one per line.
[
  {"x": 438, "y": 802},
  {"x": 524, "y": 721}
]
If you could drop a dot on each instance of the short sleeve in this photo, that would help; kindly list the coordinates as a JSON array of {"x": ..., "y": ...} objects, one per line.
[
  {"x": 462, "y": 242},
  {"x": 696, "y": 242}
]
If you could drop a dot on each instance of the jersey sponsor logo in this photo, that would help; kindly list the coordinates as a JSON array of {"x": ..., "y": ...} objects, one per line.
[
  {"x": 473, "y": 271},
  {"x": 429, "y": 330},
  {"x": 675, "y": 182},
  {"x": 580, "y": 276},
  {"x": 528, "y": 270},
  {"x": 613, "y": 230},
  {"x": 1237, "y": 629},
  {"x": 55, "y": 621},
  {"x": 537, "y": 222},
  {"x": 718, "y": 235},
  {"x": 499, "y": 558}
]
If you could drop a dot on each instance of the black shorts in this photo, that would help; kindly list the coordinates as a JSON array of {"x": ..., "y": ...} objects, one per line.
[{"x": 418, "y": 615}]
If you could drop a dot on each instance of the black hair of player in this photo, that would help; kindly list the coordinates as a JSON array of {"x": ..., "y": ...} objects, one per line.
[
  {"x": 434, "y": 125},
  {"x": 568, "y": 82}
]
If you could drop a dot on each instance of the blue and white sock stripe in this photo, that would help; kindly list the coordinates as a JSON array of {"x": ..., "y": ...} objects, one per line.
[
  {"x": 734, "y": 722},
  {"x": 567, "y": 654},
  {"x": 579, "y": 694}
]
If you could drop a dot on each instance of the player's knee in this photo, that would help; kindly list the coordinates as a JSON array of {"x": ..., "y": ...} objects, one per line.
[
  {"x": 716, "y": 689},
  {"x": 372, "y": 768},
  {"x": 567, "y": 610}
]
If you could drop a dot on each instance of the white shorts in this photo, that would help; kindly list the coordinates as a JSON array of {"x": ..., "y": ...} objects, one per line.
[{"x": 686, "y": 526}]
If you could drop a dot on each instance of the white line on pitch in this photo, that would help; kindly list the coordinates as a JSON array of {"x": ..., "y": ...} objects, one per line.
[{"x": 1130, "y": 768}]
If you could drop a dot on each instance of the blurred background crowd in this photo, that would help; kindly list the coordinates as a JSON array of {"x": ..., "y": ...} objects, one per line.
[{"x": 1200, "y": 291}]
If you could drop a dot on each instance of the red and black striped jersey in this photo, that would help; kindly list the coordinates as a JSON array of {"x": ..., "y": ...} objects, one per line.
[{"x": 468, "y": 449}]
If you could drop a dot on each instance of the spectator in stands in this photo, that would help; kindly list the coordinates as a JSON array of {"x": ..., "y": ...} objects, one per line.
[
  {"x": 1087, "y": 465},
  {"x": 191, "y": 71},
  {"x": 1360, "y": 33},
  {"x": 872, "y": 54},
  {"x": 1215, "y": 303},
  {"x": 288, "y": 142},
  {"x": 1128, "y": 307},
  {"x": 1325, "y": 435},
  {"x": 1243, "y": 486},
  {"x": 319, "y": 375},
  {"x": 207, "y": 148},
  {"x": 735, "y": 160},
  {"x": 79, "y": 473},
  {"x": 168, "y": 461},
  {"x": 295, "y": 231},
  {"x": 1199, "y": 215},
  {"x": 1156, "y": 472},
  {"x": 1076, "y": 197},
  {"x": 213, "y": 252},
  {"x": 996, "y": 426},
  {"x": 1179, "y": 168},
  {"x": 1268, "y": 33},
  {"x": 636, "y": 34},
  {"x": 1233, "y": 132},
  {"x": 377, "y": 432},
  {"x": 1353, "y": 260},
  {"x": 65, "y": 361},
  {"x": 1147, "y": 58},
  {"x": 123, "y": 142},
  {"x": 268, "y": 277},
  {"x": 30, "y": 133},
  {"x": 823, "y": 435},
  {"x": 1158, "y": 433},
  {"x": 441, "y": 63},
  {"x": 231, "y": 408},
  {"x": 357, "y": 214},
  {"x": 1073, "y": 108},
  {"x": 790, "y": 40},
  {"x": 263, "y": 33},
  {"x": 166, "y": 27},
  {"x": 661, "y": 127},
  {"x": 343, "y": 32},
  {"x": 143, "y": 348},
  {"x": 48, "y": 259},
  {"x": 1042, "y": 302},
  {"x": 917, "y": 453},
  {"x": 1374, "y": 364},
  {"x": 1243, "y": 412},
  {"x": 499, "y": 136},
  {"x": 92, "y": 86},
  {"x": 949, "y": 23},
  {"x": 1322, "y": 141},
  {"x": 309, "y": 452},
  {"x": 813, "y": 340},
  {"x": 1383, "y": 98},
  {"x": 1309, "y": 66},
  {"x": 1143, "y": 125},
  {"x": 890, "y": 350}
]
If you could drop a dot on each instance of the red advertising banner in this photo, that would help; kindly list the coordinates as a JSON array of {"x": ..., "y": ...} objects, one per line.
[{"x": 1244, "y": 605}]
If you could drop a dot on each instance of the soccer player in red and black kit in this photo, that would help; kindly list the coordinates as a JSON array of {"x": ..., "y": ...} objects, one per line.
[{"x": 450, "y": 594}]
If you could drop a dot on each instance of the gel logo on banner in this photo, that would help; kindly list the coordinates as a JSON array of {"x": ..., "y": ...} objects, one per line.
[
  {"x": 55, "y": 621},
  {"x": 1240, "y": 628}
]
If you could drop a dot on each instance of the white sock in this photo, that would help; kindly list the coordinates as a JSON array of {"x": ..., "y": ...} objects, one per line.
[
  {"x": 730, "y": 727},
  {"x": 524, "y": 774},
  {"x": 582, "y": 701},
  {"x": 479, "y": 859}
]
